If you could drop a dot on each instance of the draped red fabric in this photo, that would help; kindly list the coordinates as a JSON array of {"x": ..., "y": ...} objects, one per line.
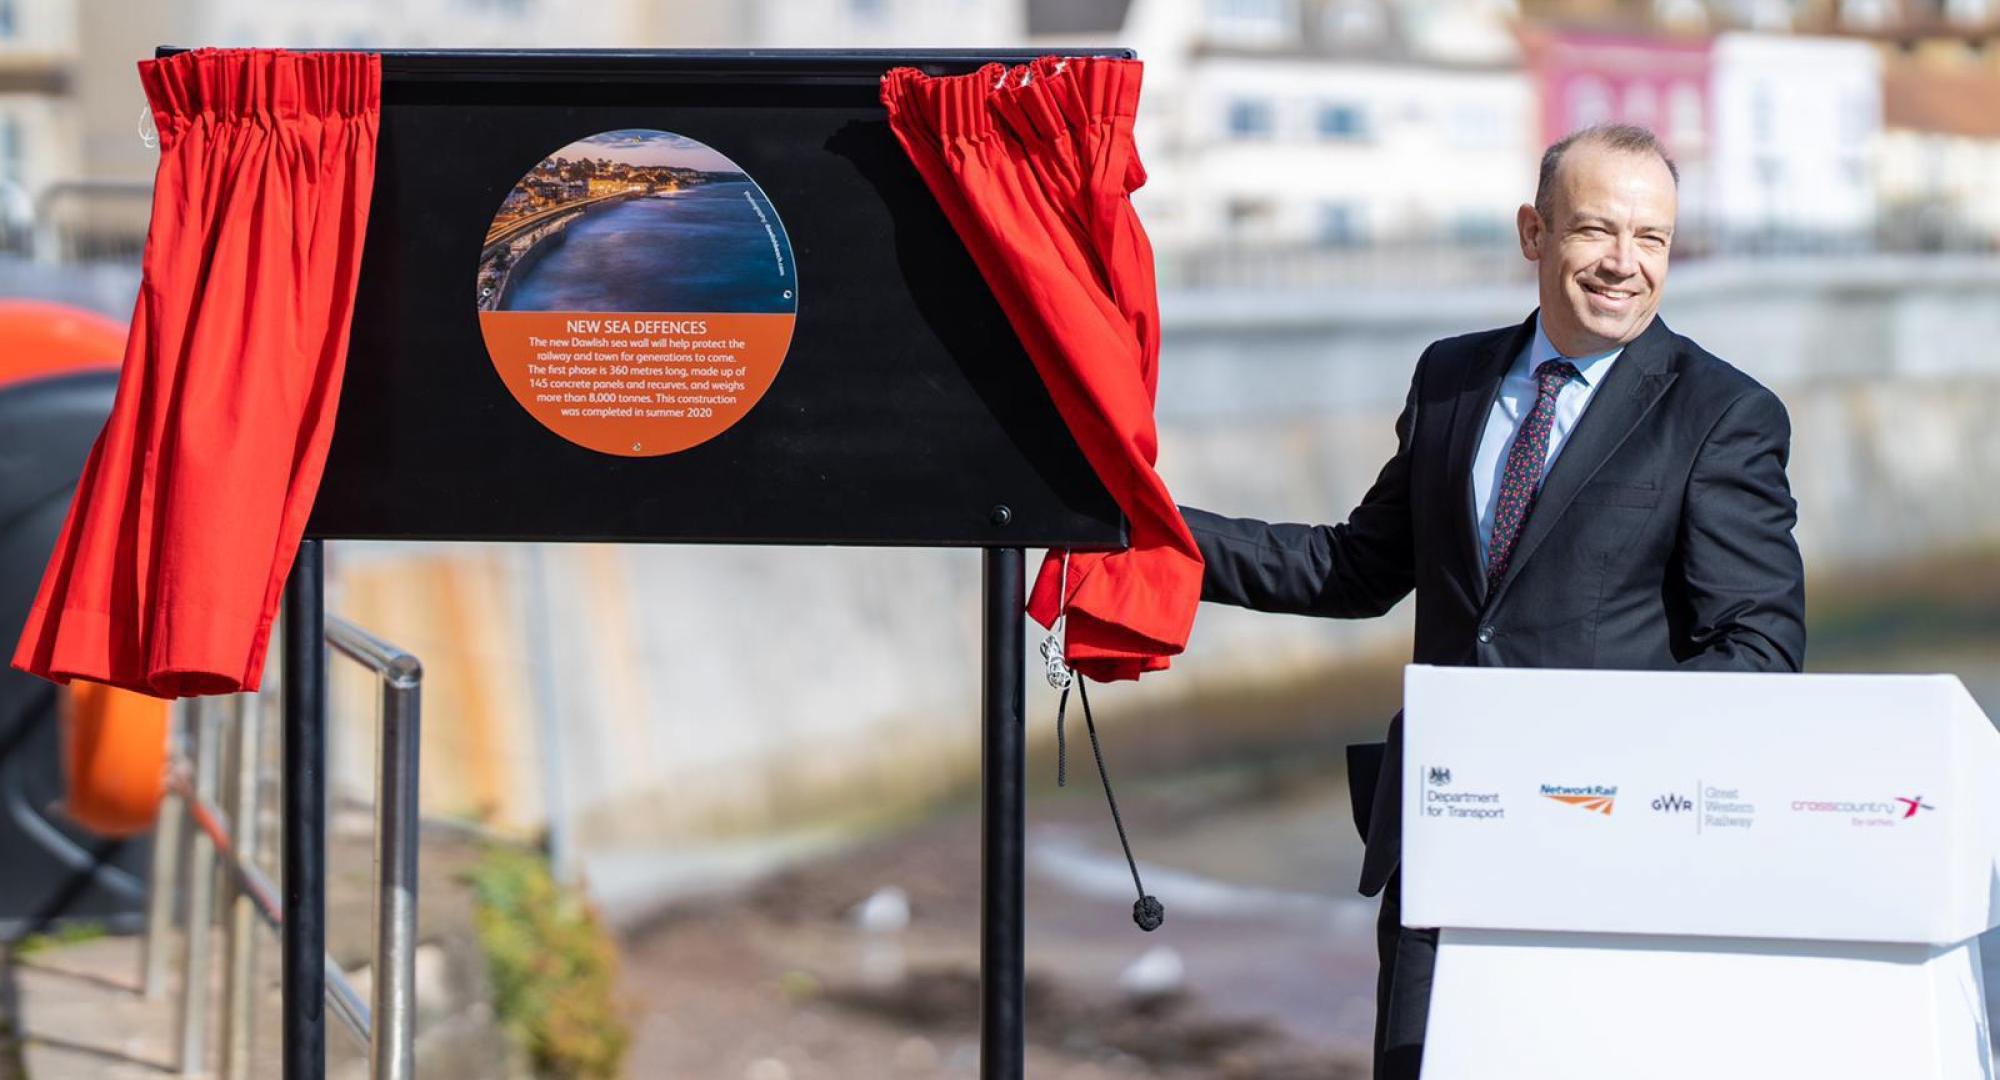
[
  {"x": 1035, "y": 166},
  {"x": 192, "y": 503}
]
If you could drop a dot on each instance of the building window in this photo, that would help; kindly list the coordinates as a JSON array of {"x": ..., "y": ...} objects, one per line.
[
  {"x": 1256, "y": 21},
  {"x": 1354, "y": 23},
  {"x": 1475, "y": 127},
  {"x": 1763, "y": 114},
  {"x": 9, "y": 21},
  {"x": 1338, "y": 120},
  {"x": 1251, "y": 118},
  {"x": 1968, "y": 12},
  {"x": 1684, "y": 112},
  {"x": 1589, "y": 102},
  {"x": 1642, "y": 106},
  {"x": 11, "y": 150},
  {"x": 1341, "y": 225},
  {"x": 1866, "y": 14},
  {"x": 1858, "y": 120},
  {"x": 1251, "y": 218},
  {"x": 1856, "y": 171},
  {"x": 1770, "y": 171}
]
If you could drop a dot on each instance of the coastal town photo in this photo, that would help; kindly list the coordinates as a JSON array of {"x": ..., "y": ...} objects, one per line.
[{"x": 635, "y": 220}]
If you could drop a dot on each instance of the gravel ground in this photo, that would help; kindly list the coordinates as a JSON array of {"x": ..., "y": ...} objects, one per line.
[{"x": 780, "y": 983}]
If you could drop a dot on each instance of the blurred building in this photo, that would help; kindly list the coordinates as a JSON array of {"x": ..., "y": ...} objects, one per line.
[
  {"x": 38, "y": 138},
  {"x": 1662, "y": 83},
  {"x": 1282, "y": 128},
  {"x": 1797, "y": 122},
  {"x": 1939, "y": 166},
  {"x": 841, "y": 24},
  {"x": 413, "y": 24}
]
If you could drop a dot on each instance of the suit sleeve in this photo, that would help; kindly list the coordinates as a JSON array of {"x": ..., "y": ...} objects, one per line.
[
  {"x": 1354, "y": 570},
  {"x": 1744, "y": 579}
]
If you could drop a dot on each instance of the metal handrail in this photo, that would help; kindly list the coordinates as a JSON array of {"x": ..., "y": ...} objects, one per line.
[
  {"x": 263, "y": 893},
  {"x": 388, "y": 1027},
  {"x": 393, "y": 1048}
]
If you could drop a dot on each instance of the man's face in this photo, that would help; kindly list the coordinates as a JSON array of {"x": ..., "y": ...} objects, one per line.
[{"x": 1601, "y": 256}]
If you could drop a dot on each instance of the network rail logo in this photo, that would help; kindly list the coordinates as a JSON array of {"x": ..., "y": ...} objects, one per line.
[{"x": 1596, "y": 798}]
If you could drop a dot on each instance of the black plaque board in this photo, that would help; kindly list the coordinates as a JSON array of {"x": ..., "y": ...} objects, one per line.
[{"x": 905, "y": 413}]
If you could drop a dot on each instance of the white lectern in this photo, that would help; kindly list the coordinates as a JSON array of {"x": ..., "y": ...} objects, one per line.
[{"x": 1712, "y": 876}]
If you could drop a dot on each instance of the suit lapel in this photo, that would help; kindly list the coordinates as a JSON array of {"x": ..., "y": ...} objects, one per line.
[
  {"x": 1470, "y": 410},
  {"x": 1637, "y": 379}
]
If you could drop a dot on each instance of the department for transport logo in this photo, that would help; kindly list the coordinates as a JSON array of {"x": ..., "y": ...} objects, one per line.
[
  {"x": 1458, "y": 805},
  {"x": 1596, "y": 798}
]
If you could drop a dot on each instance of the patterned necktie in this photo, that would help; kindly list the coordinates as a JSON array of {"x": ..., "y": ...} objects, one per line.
[{"x": 1523, "y": 478}]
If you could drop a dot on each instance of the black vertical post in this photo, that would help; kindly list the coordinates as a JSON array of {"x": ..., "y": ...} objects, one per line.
[
  {"x": 1003, "y": 785},
  {"x": 304, "y": 1004}
]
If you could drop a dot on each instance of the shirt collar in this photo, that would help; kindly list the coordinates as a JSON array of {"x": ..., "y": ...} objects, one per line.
[{"x": 1592, "y": 367}]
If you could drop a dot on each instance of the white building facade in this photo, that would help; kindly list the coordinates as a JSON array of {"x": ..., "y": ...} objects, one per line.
[
  {"x": 1798, "y": 123},
  {"x": 1329, "y": 124},
  {"x": 1346, "y": 152}
]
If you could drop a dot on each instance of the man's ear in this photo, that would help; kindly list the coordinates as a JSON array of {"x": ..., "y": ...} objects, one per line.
[{"x": 1529, "y": 224}]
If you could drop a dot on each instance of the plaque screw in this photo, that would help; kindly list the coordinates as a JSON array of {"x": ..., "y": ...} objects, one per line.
[{"x": 1001, "y": 515}]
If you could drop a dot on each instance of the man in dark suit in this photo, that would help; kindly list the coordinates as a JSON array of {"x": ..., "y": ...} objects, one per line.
[{"x": 1588, "y": 489}]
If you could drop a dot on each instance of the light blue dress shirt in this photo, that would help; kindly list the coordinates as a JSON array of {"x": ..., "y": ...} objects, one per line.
[{"x": 1517, "y": 398}]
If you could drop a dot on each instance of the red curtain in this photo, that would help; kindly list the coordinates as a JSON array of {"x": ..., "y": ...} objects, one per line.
[
  {"x": 1034, "y": 166},
  {"x": 192, "y": 503}
]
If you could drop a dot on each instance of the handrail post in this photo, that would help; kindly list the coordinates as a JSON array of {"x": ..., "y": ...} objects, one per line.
[
  {"x": 240, "y": 977},
  {"x": 197, "y": 969},
  {"x": 163, "y": 884},
  {"x": 396, "y": 837}
]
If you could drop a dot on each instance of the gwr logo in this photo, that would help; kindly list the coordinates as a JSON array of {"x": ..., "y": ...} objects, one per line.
[{"x": 1673, "y": 804}]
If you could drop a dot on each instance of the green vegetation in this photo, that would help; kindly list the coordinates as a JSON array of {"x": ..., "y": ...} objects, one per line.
[
  {"x": 553, "y": 967},
  {"x": 75, "y": 933}
]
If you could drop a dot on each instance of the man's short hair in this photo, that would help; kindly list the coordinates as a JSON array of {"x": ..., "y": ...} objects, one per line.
[{"x": 1630, "y": 138}]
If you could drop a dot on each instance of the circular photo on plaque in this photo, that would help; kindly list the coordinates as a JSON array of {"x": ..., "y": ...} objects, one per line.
[{"x": 637, "y": 292}]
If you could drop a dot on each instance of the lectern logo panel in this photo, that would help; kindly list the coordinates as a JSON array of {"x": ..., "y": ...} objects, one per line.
[{"x": 637, "y": 292}]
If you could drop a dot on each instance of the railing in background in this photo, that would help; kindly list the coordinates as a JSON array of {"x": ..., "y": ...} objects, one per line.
[
  {"x": 389, "y": 1027},
  {"x": 79, "y": 221},
  {"x": 1496, "y": 259}
]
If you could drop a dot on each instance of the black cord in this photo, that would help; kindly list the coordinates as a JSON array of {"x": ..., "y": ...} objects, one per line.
[
  {"x": 1147, "y": 911},
  {"x": 1062, "y": 747}
]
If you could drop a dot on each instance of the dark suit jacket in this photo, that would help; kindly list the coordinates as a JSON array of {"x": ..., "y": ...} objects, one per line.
[{"x": 1662, "y": 536}]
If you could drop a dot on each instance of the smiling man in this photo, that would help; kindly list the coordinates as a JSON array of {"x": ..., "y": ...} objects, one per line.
[{"x": 1588, "y": 489}]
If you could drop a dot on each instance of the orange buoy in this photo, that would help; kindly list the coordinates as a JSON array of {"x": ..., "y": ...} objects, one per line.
[
  {"x": 114, "y": 748},
  {"x": 40, "y": 338}
]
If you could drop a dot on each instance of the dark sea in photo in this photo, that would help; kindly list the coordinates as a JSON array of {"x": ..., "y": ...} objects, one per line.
[{"x": 700, "y": 249}]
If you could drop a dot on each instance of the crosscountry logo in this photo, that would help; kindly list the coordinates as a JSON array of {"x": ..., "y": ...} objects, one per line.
[
  {"x": 1595, "y": 798},
  {"x": 1911, "y": 806}
]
